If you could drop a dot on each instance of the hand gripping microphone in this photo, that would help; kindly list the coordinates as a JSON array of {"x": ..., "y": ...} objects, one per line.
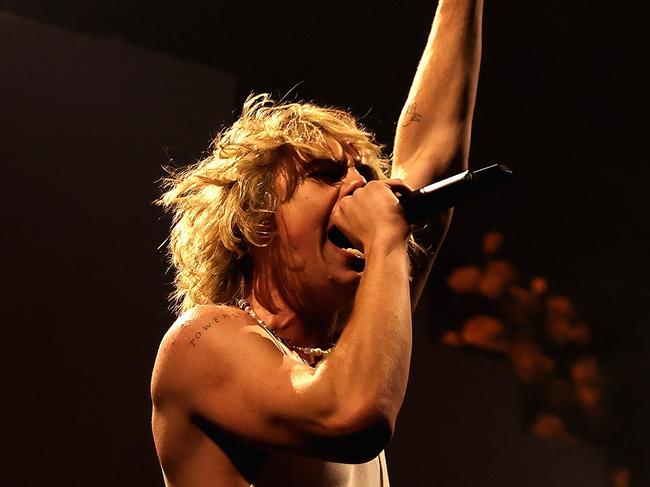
[{"x": 427, "y": 201}]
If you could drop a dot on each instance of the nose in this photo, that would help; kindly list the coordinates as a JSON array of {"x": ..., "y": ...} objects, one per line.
[{"x": 353, "y": 180}]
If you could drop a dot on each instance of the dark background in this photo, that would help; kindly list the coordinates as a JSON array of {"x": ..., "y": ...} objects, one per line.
[{"x": 562, "y": 100}]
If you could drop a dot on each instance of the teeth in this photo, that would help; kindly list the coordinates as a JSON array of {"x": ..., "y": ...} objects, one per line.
[{"x": 357, "y": 253}]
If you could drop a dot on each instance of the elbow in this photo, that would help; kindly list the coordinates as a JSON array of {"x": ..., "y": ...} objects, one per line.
[{"x": 362, "y": 433}]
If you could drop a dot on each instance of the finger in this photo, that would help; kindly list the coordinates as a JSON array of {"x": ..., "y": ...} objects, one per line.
[{"x": 398, "y": 186}]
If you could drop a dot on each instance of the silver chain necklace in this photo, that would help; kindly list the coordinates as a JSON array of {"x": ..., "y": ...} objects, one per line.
[{"x": 309, "y": 351}]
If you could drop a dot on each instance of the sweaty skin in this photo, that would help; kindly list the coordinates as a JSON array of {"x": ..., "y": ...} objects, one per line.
[{"x": 227, "y": 399}]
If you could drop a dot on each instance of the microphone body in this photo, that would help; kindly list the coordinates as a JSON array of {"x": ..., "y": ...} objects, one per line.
[{"x": 427, "y": 201}]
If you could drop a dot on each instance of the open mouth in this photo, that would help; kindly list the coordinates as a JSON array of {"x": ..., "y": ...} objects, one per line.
[{"x": 337, "y": 237}]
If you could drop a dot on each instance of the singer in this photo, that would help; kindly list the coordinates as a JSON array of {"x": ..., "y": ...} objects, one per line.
[{"x": 289, "y": 362}]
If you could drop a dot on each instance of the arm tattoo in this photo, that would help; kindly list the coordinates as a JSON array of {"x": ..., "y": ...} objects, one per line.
[
  {"x": 412, "y": 114},
  {"x": 196, "y": 336}
]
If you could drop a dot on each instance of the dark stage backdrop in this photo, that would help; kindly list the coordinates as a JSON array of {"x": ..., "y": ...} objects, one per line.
[{"x": 87, "y": 124}]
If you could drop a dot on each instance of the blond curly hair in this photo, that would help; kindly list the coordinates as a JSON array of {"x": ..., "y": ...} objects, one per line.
[{"x": 225, "y": 203}]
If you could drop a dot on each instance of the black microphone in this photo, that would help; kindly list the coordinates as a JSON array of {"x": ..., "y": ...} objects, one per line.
[{"x": 434, "y": 198}]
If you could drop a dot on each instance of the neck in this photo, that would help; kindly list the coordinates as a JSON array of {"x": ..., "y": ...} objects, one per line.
[
  {"x": 292, "y": 308},
  {"x": 307, "y": 328}
]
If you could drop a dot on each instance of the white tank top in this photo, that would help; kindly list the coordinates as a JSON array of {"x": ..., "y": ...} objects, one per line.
[{"x": 287, "y": 470}]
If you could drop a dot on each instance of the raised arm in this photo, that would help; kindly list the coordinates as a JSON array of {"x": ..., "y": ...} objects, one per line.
[
  {"x": 434, "y": 128},
  {"x": 433, "y": 132}
]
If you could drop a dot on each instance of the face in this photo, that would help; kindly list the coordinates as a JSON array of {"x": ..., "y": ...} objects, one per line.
[{"x": 313, "y": 267}]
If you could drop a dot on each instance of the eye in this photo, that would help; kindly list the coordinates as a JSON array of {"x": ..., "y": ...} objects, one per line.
[{"x": 328, "y": 172}]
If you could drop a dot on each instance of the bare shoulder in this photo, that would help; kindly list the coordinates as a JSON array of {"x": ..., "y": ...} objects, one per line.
[
  {"x": 199, "y": 322},
  {"x": 200, "y": 343}
]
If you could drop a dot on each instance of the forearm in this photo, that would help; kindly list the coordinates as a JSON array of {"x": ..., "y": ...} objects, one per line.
[
  {"x": 433, "y": 133},
  {"x": 369, "y": 366}
]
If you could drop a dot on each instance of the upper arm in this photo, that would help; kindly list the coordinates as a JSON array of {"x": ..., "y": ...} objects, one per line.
[{"x": 223, "y": 370}]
